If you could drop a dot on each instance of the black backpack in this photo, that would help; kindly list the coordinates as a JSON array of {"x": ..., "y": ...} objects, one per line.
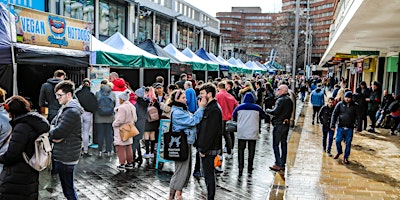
[{"x": 106, "y": 105}]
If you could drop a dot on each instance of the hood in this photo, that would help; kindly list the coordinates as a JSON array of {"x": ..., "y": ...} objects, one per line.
[
  {"x": 248, "y": 98},
  {"x": 34, "y": 120},
  {"x": 119, "y": 85},
  {"x": 54, "y": 81},
  {"x": 75, "y": 104},
  {"x": 105, "y": 89}
]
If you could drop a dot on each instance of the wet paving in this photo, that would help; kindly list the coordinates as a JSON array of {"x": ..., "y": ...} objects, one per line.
[{"x": 98, "y": 178}]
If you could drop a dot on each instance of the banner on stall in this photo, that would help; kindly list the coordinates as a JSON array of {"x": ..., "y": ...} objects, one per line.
[{"x": 45, "y": 29}]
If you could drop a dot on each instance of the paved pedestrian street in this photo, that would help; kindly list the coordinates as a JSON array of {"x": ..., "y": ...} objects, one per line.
[{"x": 373, "y": 172}]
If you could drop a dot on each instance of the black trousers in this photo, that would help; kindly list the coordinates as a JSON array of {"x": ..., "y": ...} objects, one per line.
[
  {"x": 315, "y": 112},
  {"x": 209, "y": 175},
  {"x": 251, "y": 151},
  {"x": 372, "y": 117},
  {"x": 228, "y": 140},
  {"x": 361, "y": 119}
]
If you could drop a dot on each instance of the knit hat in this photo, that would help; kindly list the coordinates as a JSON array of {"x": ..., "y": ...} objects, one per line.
[
  {"x": 348, "y": 95},
  {"x": 140, "y": 92},
  {"x": 125, "y": 95}
]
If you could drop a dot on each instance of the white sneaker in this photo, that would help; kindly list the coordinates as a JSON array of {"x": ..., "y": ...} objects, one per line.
[
  {"x": 146, "y": 155},
  {"x": 228, "y": 156},
  {"x": 224, "y": 150},
  {"x": 151, "y": 155}
]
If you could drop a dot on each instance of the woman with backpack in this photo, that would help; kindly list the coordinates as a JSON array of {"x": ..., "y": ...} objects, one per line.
[
  {"x": 152, "y": 122},
  {"x": 19, "y": 180},
  {"x": 104, "y": 117}
]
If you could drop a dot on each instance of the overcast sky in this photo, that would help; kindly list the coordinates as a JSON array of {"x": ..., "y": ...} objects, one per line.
[{"x": 213, "y": 6}]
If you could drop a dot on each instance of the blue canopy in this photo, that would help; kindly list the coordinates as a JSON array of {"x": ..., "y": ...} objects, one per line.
[{"x": 203, "y": 54}]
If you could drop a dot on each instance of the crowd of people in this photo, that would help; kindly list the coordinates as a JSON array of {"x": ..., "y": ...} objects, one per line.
[{"x": 201, "y": 110}]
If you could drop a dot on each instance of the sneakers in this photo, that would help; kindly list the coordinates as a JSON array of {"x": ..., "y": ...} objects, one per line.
[
  {"x": 329, "y": 153},
  {"x": 121, "y": 168},
  {"x": 371, "y": 130},
  {"x": 100, "y": 154},
  {"x": 313, "y": 122},
  {"x": 346, "y": 161},
  {"x": 336, "y": 156},
  {"x": 276, "y": 168},
  {"x": 196, "y": 174},
  {"x": 224, "y": 150},
  {"x": 86, "y": 155},
  {"x": 228, "y": 156},
  {"x": 151, "y": 155},
  {"x": 129, "y": 166},
  {"x": 146, "y": 155}
]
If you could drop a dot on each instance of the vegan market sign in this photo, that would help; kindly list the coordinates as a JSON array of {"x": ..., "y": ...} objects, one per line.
[{"x": 44, "y": 29}]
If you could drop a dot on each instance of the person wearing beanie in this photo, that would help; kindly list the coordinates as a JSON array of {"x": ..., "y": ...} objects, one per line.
[
  {"x": 141, "y": 110},
  {"x": 124, "y": 113},
  {"x": 344, "y": 115},
  {"x": 119, "y": 85}
]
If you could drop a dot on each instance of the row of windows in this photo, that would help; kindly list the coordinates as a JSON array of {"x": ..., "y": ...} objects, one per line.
[
  {"x": 230, "y": 22},
  {"x": 321, "y": 31},
  {"x": 231, "y": 16},
  {"x": 258, "y": 17},
  {"x": 321, "y": 47},
  {"x": 258, "y": 24},
  {"x": 322, "y": 23},
  {"x": 228, "y": 28},
  {"x": 251, "y": 37},
  {"x": 257, "y": 30},
  {"x": 330, "y": 5},
  {"x": 322, "y": 39},
  {"x": 327, "y": 14}
]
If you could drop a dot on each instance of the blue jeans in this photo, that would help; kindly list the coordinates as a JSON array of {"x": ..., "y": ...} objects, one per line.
[
  {"x": 66, "y": 174},
  {"x": 327, "y": 133},
  {"x": 105, "y": 132},
  {"x": 280, "y": 134},
  {"x": 347, "y": 135},
  {"x": 303, "y": 95}
]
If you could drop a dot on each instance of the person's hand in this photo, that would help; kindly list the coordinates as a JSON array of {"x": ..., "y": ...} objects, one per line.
[
  {"x": 202, "y": 155},
  {"x": 202, "y": 102},
  {"x": 367, "y": 99},
  {"x": 333, "y": 129},
  {"x": 57, "y": 140}
]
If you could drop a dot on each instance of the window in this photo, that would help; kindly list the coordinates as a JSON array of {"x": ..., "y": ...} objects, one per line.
[
  {"x": 111, "y": 18},
  {"x": 163, "y": 31},
  {"x": 82, "y": 10}
]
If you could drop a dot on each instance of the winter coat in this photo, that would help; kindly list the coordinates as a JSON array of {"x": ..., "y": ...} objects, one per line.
[
  {"x": 5, "y": 132},
  {"x": 19, "y": 180},
  {"x": 141, "y": 111},
  {"x": 386, "y": 101},
  {"x": 124, "y": 114},
  {"x": 269, "y": 99},
  {"x": 345, "y": 114},
  {"x": 153, "y": 126},
  {"x": 260, "y": 96},
  {"x": 282, "y": 110},
  {"x": 374, "y": 101},
  {"x": 105, "y": 90},
  {"x": 184, "y": 120},
  {"x": 68, "y": 127},
  {"x": 191, "y": 100},
  {"x": 245, "y": 90},
  {"x": 248, "y": 115},
  {"x": 360, "y": 97},
  {"x": 47, "y": 98},
  {"x": 87, "y": 99},
  {"x": 317, "y": 97},
  {"x": 325, "y": 115},
  {"x": 209, "y": 135},
  {"x": 227, "y": 103}
]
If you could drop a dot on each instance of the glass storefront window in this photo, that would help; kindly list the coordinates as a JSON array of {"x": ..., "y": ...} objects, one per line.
[
  {"x": 111, "y": 18},
  {"x": 182, "y": 37},
  {"x": 163, "y": 32},
  {"x": 145, "y": 27},
  {"x": 191, "y": 41},
  {"x": 77, "y": 9},
  {"x": 214, "y": 45}
]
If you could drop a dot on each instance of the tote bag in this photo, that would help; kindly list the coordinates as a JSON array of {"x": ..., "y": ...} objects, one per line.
[{"x": 176, "y": 147}]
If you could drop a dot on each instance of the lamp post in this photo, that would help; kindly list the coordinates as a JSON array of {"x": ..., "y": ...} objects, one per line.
[{"x": 296, "y": 43}]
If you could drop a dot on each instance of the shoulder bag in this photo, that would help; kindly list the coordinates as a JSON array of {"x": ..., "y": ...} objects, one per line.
[{"x": 128, "y": 130}]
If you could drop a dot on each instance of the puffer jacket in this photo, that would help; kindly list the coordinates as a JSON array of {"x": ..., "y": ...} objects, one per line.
[
  {"x": 248, "y": 115},
  {"x": 124, "y": 113},
  {"x": 282, "y": 110},
  {"x": 19, "y": 180},
  {"x": 105, "y": 90},
  {"x": 68, "y": 127},
  {"x": 345, "y": 114},
  {"x": 87, "y": 99}
]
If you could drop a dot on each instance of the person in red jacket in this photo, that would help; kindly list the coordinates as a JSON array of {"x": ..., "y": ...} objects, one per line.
[{"x": 228, "y": 104}]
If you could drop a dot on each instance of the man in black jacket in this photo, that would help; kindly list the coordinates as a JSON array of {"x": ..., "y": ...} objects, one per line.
[
  {"x": 282, "y": 113},
  {"x": 209, "y": 136},
  {"x": 66, "y": 134},
  {"x": 46, "y": 96},
  {"x": 325, "y": 115},
  {"x": 345, "y": 113}
]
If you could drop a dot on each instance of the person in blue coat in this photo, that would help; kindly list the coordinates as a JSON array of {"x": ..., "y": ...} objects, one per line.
[
  {"x": 248, "y": 116},
  {"x": 317, "y": 101},
  {"x": 191, "y": 99},
  {"x": 182, "y": 119}
]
